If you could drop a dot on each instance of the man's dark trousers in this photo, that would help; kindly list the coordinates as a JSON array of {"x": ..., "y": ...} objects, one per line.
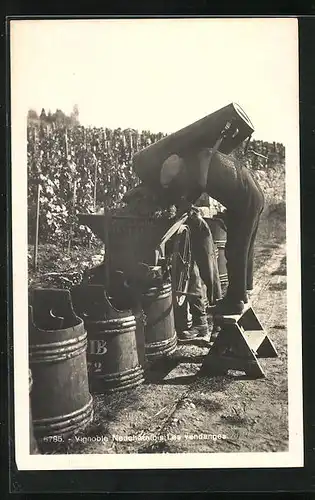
[
  {"x": 242, "y": 224},
  {"x": 232, "y": 184}
]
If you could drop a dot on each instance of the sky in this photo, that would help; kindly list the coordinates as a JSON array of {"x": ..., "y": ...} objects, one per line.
[{"x": 160, "y": 74}]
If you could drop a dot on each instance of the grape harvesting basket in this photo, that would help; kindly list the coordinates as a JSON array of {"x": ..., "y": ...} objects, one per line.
[{"x": 130, "y": 240}]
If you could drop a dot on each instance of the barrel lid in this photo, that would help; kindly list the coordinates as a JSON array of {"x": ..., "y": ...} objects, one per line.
[{"x": 243, "y": 115}]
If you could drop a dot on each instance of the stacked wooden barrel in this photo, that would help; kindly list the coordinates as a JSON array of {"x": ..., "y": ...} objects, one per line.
[
  {"x": 114, "y": 351},
  {"x": 160, "y": 334},
  {"x": 131, "y": 240}
]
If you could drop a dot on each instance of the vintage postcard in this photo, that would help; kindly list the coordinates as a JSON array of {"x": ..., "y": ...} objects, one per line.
[{"x": 156, "y": 243}]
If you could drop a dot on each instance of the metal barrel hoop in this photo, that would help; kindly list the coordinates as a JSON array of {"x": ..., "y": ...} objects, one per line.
[{"x": 112, "y": 354}]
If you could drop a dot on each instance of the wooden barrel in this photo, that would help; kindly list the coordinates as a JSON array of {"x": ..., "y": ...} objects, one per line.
[
  {"x": 182, "y": 317},
  {"x": 113, "y": 347},
  {"x": 61, "y": 401},
  {"x": 160, "y": 334},
  {"x": 133, "y": 239},
  {"x": 33, "y": 444},
  {"x": 140, "y": 329},
  {"x": 218, "y": 231}
]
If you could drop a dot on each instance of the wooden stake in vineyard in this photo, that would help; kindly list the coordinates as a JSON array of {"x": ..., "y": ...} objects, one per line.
[
  {"x": 35, "y": 138},
  {"x": 95, "y": 182},
  {"x": 73, "y": 209},
  {"x": 130, "y": 146},
  {"x": 66, "y": 145},
  {"x": 36, "y": 227}
]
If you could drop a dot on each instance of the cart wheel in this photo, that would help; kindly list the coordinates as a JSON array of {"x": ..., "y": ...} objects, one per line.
[{"x": 181, "y": 262}]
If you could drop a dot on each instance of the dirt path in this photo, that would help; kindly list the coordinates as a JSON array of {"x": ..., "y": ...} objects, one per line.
[{"x": 178, "y": 411}]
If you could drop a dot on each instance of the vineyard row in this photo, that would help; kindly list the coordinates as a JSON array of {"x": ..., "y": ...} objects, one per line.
[{"x": 84, "y": 169}]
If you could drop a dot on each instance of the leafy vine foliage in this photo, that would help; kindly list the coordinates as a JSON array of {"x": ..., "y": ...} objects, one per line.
[{"x": 82, "y": 169}]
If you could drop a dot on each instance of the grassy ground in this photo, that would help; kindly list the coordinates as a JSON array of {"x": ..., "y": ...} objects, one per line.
[
  {"x": 179, "y": 409},
  {"x": 56, "y": 265}
]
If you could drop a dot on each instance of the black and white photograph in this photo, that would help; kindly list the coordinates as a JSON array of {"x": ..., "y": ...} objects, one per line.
[{"x": 156, "y": 243}]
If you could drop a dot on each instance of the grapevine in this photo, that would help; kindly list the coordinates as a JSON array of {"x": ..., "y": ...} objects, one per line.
[{"x": 61, "y": 156}]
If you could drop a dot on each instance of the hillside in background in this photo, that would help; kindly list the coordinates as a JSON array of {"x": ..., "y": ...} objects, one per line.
[{"x": 82, "y": 169}]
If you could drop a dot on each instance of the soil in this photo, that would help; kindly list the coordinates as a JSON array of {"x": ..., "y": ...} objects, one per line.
[{"x": 181, "y": 409}]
